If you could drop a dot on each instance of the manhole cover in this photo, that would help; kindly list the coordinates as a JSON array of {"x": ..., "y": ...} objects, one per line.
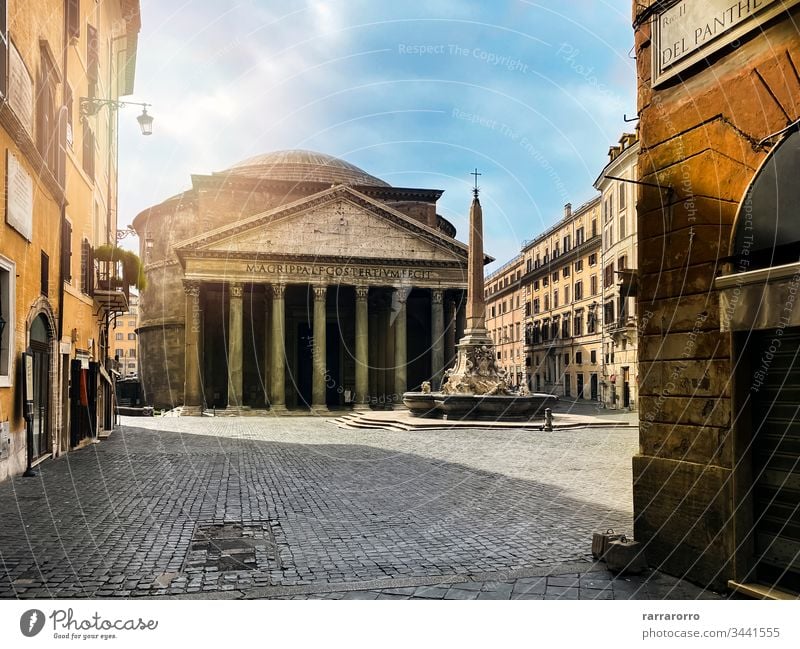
[{"x": 228, "y": 547}]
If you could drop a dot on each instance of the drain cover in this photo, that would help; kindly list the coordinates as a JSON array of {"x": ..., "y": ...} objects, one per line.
[{"x": 228, "y": 547}]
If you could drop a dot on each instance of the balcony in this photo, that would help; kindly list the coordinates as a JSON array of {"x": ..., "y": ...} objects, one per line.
[
  {"x": 628, "y": 282},
  {"x": 110, "y": 291},
  {"x": 621, "y": 326}
]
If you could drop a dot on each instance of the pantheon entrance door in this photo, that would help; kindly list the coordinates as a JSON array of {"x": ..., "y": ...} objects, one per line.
[
  {"x": 776, "y": 461},
  {"x": 40, "y": 349}
]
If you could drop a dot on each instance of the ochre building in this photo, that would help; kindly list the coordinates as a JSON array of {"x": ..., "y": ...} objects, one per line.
[
  {"x": 717, "y": 479},
  {"x": 505, "y": 318},
  {"x": 295, "y": 280}
]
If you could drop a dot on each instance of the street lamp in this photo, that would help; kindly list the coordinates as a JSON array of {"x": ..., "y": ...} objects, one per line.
[{"x": 91, "y": 106}]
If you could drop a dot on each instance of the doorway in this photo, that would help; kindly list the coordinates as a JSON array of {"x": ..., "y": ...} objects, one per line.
[
  {"x": 593, "y": 386},
  {"x": 40, "y": 349},
  {"x": 579, "y": 380}
]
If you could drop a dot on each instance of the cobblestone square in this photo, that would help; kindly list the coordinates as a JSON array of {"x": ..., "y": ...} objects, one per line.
[{"x": 301, "y": 508}]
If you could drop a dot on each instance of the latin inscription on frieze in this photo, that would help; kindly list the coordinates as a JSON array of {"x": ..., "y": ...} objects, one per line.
[{"x": 337, "y": 271}]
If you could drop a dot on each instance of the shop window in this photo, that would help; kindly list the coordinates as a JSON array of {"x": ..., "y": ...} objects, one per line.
[{"x": 7, "y": 320}]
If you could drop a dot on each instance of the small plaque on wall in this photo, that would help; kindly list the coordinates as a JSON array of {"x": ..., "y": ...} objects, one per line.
[{"x": 19, "y": 197}]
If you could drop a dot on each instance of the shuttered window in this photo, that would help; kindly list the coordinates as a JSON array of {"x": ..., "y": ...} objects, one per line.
[
  {"x": 74, "y": 18},
  {"x": 45, "y": 274},
  {"x": 92, "y": 59},
  {"x": 66, "y": 251}
]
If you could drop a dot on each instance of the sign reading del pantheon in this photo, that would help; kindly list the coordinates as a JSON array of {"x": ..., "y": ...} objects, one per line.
[{"x": 295, "y": 280}]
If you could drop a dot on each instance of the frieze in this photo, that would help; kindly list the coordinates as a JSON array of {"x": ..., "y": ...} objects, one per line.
[{"x": 337, "y": 271}]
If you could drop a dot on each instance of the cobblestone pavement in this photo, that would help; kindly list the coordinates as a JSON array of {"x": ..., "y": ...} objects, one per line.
[{"x": 295, "y": 507}]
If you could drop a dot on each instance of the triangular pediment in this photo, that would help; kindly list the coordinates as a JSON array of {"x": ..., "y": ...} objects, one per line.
[{"x": 338, "y": 222}]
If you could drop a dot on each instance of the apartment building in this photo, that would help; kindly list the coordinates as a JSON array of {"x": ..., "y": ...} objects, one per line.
[
  {"x": 505, "y": 318},
  {"x": 560, "y": 281},
  {"x": 617, "y": 187},
  {"x": 125, "y": 342}
]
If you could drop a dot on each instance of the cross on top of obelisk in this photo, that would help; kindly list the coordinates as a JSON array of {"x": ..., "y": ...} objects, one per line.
[{"x": 475, "y": 189}]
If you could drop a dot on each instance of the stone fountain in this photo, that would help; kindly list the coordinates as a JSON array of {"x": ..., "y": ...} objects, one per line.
[{"x": 475, "y": 388}]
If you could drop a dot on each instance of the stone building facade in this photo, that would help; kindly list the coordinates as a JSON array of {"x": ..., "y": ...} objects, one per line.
[
  {"x": 505, "y": 318},
  {"x": 124, "y": 340},
  {"x": 561, "y": 281},
  {"x": 59, "y": 170},
  {"x": 716, "y": 480},
  {"x": 312, "y": 284},
  {"x": 619, "y": 260}
]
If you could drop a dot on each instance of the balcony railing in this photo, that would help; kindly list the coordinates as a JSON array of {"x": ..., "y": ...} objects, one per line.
[{"x": 110, "y": 290}]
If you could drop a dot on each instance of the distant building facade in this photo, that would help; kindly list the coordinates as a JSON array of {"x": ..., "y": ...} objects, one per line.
[
  {"x": 125, "y": 341},
  {"x": 561, "y": 281},
  {"x": 505, "y": 318},
  {"x": 619, "y": 382},
  {"x": 716, "y": 483}
]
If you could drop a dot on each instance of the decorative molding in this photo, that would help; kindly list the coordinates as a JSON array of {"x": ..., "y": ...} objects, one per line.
[
  {"x": 236, "y": 289},
  {"x": 191, "y": 288}
]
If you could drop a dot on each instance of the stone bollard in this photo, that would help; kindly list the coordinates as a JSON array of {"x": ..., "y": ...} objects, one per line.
[
  {"x": 626, "y": 557},
  {"x": 548, "y": 419}
]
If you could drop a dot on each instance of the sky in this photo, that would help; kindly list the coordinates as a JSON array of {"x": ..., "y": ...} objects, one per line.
[{"x": 416, "y": 92}]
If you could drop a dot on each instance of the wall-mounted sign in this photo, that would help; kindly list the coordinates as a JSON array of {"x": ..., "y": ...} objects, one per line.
[
  {"x": 19, "y": 197},
  {"x": 20, "y": 89},
  {"x": 688, "y": 31}
]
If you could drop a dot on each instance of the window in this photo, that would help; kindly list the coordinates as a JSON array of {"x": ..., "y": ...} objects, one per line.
[
  {"x": 566, "y": 360},
  {"x": 565, "y": 271},
  {"x": 579, "y": 290},
  {"x": 546, "y": 330},
  {"x": 593, "y": 259},
  {"x": 47, "y": 141},
  {"x": 593, "y": 284},
  {"x": 554, "y": 276},
  {"x": 567, "y": 241},
  {"x": 119, "y": 353},
  {"x": 3, "y": 53},
  {"x": 517, "y": 332},
  {"x": 622, "y": 190},
  {"x": 608, "y": 312},
  {"x": 536, "y": 285},
  {"x": 73, "y": 18},
  {"x": 527, "y": 309},
  {"x": 8, "y": 277},
  {"x": 92, "y": 59},
  {"x": 87, "y": 268},
  {"x": 131, "y": 336},
  {"x": 131, "y": 323},
  {"x": 493, "y": 312},
  {"x": 579, "y": 358},
  {"x": 565, "y": 326},
  {"x": 536, "y": 305},
  {"x": 608, "y": 275},
  {"x": 546, "y": 302},
  {"x": 44, "y": 274},
  {"x": 555, "y": 299},
  {"x": 545, "y": 281},
  {"x": 88, "y": 150},
  {"x": 622, "y": 262},
  {"x": 579, "y": 266},
  {"x": 119, "y": 336},
  {"x": 556, "y": 252},
  {"x": 577, "y": 324},
  {"x": 591, "y": 322},
  {"x": 622, "y": 227},
  {"x": 566, "y": 294},
  {"x": 529, "y": 265},
  {"x": 66, "y": 251},
  {"x": 579, "y": 236},
  {"x": 554, "y": 328},
  {"x": 594, "y": 227},
  {"x": 593, "y": 356}
]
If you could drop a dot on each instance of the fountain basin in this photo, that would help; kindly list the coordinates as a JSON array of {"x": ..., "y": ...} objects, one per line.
[
  {"x": 422, "y": 404},
  {"x": 494, "y": 407}
]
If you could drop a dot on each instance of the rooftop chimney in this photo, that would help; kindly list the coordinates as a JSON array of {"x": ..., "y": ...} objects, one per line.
[{"x": 567, "y": 210}]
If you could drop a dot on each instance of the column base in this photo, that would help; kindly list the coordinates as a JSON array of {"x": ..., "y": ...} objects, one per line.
[
  {"x": 361, "y": 406},
  {"x": 320, "y": 410},
  {"x": 278, "y": 408}
]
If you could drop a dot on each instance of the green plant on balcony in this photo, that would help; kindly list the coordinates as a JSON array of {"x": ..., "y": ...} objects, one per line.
[{"x": 132, "y": 268}]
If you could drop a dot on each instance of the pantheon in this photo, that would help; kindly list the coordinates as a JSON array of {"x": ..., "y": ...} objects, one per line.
[{"x": 295, "y": 281}]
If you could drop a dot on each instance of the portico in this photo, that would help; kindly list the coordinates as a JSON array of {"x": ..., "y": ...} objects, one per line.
[{"x": 294, "y": 331}]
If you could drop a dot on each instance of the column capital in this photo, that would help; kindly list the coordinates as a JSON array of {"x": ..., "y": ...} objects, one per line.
[
  {"x": 236, "y": 289},
  {"x": 362, "y": 292},
  {"x": 320, "y": 292},
  {"x": 278, "y": 290},
  {"x": 437, "y": 295},
  {"x": 191, "y": 288},
  {"x": 401, "y": 293}
]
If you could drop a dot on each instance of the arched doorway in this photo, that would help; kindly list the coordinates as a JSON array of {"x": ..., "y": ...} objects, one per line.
[
  {"x": 40, "y": 349},
  {"x": 760, "y": 306}
]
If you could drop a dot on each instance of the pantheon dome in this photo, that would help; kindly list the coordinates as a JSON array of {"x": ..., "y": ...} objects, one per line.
[{"x": 287, "y": 253}]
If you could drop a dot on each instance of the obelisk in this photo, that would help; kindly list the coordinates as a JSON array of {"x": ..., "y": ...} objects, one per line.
[{"x": 475, "y": 331}]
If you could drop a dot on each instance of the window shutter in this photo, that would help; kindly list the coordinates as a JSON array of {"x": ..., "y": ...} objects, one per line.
[
  {"x": 3, "y": 48},
  {"x": 92, "y": 58},
  {"x": 74, "y": 18},
  {"x": 66, "y": 251}
]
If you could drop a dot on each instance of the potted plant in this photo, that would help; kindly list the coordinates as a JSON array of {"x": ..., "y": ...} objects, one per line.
[{"x": 132, "y": 269}]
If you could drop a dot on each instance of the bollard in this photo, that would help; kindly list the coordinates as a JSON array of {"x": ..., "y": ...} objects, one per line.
[{"x": 548, "y": 419}]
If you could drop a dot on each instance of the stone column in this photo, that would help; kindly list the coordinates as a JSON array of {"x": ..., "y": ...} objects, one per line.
[
  {"x": 319, "y": 360},
  {"x": 382, "y": 369},
  {"x": 362, "y": 352},
  {"x": 277, "y": 370},
  {"x": 437, "y": 338},
  {"x": 450, "y": 334},
  {"x": 235, "y": 345},
  {"x": 400, "y": 344},
  {"x": 193, "y": 393},
  {"x": 267, "y": 344},
  {"x": 373, "y": 355}
]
